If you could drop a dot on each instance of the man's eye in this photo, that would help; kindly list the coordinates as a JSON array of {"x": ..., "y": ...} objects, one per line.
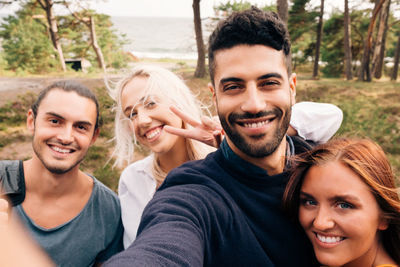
[
  {"x": 231, "y": 87},
  {"x": 54, "y": 121},
  {"x": 269, "y": 83},
  {"x": 82, "y": 127}
]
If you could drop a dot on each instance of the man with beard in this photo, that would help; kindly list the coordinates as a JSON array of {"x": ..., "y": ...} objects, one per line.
[
  {"x": 72, "y": 215},
  {"x": 225, "y": 210}
]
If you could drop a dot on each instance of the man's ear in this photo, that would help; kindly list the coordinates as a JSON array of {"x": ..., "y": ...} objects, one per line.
[
  {"x": 30, "y": 121},
  {"x": 213, "y": 92},
  {"x": 95, "y": 135},
  {"x": 292, "y": 86}
]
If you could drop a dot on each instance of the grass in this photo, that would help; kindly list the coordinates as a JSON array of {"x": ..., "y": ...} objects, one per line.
[{"x": 370, "y": 110}]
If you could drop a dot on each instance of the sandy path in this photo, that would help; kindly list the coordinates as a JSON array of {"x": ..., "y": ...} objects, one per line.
[{"x": 10, "y": 88}]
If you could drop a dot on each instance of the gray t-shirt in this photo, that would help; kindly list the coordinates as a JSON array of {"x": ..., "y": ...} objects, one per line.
[{"x": 94, "y": 235}]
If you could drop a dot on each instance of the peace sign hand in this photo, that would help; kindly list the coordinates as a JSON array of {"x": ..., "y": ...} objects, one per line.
[{"x": 208, "y": 131}]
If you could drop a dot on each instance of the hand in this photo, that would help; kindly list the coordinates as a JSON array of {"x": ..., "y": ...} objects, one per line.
[{"x": 208, "y": 131}]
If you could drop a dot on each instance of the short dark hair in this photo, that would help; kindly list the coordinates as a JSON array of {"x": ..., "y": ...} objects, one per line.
[
  {"x": 249, "y": 27},
  {"x": 67, "y": 86}
]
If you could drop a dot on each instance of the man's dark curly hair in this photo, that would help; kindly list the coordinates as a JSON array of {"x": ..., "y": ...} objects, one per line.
[{"x": 249, "y": 27}]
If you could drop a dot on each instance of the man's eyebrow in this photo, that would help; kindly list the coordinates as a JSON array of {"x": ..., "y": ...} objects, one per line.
[
  {"x": 55, "y": 115},
  {"x": 270, "y": 75},
  {"x": 230, "y": 79},
  {"x": 88, "y": 123},
  {"x": 62, "y": 118}
]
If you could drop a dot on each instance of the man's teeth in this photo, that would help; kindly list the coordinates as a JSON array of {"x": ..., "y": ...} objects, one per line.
[
  {"x": 153, "y": 133},
  {"x": 329, "y": 239},
  {"x": 255, "y": 124},
  {"x": 55, "y": 148}
]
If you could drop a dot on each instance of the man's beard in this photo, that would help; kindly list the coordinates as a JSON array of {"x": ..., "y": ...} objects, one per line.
[
  {"x": 257, "y": 149},
  {"x": 50, "y": 167}
]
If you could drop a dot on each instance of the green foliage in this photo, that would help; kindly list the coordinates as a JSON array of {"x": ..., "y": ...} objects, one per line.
[
  {"x": 301, "y": 20},
  {"x": 106, "y": 116},
  {"x": 96, "y": 162},
  {"x": 229, "y": 7},
  {"x": 233, "y": 6},
  {"x": 14, "y": 113},
  {"x": 26, "y": 44},
  {"x": 332, "y": 39},
  {"x": 77, "y": 43},
  {"x": 332, "y": 51},
  {"x": 28, "y": 48},
  {"x": 370, "y": 110}
]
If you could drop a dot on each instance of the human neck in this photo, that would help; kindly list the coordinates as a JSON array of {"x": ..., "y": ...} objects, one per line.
[
  {"x": 382, "y": 256},
  {"x": 174, "y": 157},
  {"x": 273, "y": 163},
  {"x": 41, "y": 181},
  {"x": 375, "y": 256}
]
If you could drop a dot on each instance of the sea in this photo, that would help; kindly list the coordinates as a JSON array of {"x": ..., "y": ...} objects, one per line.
[{"x": 160, "y": 37}]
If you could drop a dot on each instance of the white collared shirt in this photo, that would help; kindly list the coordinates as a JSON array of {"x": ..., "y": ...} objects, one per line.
[{"x": 136, "y": 188}]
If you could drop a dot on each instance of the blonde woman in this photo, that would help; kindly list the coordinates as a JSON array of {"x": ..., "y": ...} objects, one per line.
[{"x": 144, "y": 115}]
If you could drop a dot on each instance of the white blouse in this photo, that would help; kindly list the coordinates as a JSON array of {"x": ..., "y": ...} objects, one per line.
[
  {"x": 136, "y": 188},
  {"x": 317, "y": 122}
]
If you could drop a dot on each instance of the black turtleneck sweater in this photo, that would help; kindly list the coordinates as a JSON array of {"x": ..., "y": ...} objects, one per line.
[{"x": 220, "y": 211}]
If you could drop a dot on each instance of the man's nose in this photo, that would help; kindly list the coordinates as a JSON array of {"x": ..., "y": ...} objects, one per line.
[
  {"x": 254, "y": 101},
  {"x": 66, "y": 135}
]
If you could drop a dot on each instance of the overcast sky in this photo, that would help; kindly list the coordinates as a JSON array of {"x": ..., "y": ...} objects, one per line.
[
  {"x": 165, "y": 8},
  {"x": 160, "y": 8}
]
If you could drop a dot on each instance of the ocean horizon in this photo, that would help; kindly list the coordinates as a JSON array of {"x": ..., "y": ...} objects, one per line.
[{"x": 160, "y": 37}]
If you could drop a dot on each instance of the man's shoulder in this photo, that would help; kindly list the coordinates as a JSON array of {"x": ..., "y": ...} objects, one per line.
[
  {"x": 7, "y": 165},
  {"x": 12, "y": 181},
  {"x": 104, "y": 196}
]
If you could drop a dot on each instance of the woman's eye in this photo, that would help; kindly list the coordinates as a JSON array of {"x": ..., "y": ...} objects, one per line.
[
  {"x": 344, "y": 205},
  {"x": 150, "y": 104},
  {"x": 132, "y": 114},
  {"x": 308, "y": 202}
]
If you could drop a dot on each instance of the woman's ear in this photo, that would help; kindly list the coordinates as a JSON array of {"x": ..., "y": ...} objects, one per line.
[{"x": 383, "y": 223}]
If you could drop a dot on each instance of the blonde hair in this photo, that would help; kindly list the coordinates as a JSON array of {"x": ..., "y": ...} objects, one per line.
[{"x": 166, "y": 85}]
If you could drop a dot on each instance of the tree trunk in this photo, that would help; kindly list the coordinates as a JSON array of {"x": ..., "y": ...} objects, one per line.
[
  {"x": 365, "y": 74},
  {"x": 396, "y": 60},
  {"x": 95, "y": 45},
  {"x": 201, "y": 58},
  {"x": 379, "y": 51},
  {"x": 318, "y": 44},
  {"x": 347, "y": 42},
  {"x": 47, "y": 5},
  {"x": 283, "y": 10}
]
